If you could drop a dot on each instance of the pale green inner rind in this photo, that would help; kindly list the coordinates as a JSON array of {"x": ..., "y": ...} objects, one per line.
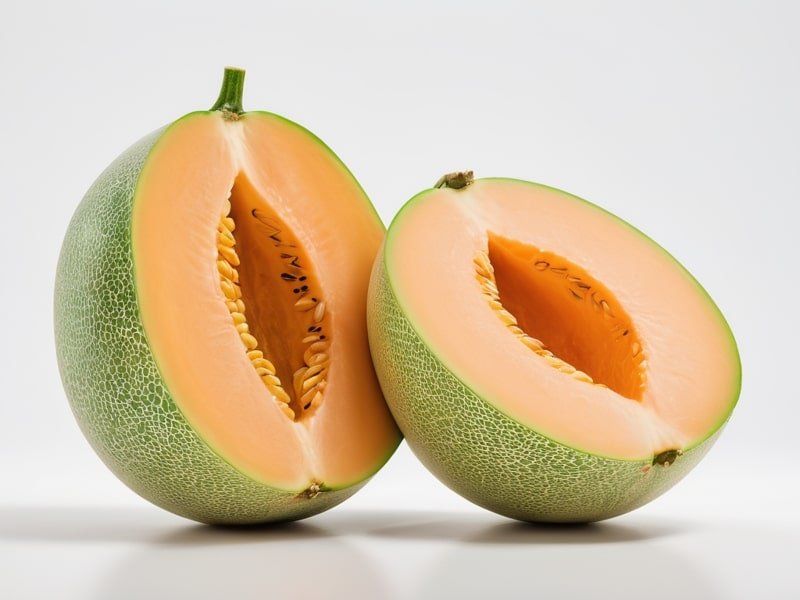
[
  {"x": 111, "y": 378},
  {"x": 488, "y": 457},
  {"x": 397, "y": 224}
]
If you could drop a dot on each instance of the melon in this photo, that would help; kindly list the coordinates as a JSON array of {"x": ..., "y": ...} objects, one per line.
[
  {"x": 543, "y": 358},
  {"x": 210, "y": 325}
]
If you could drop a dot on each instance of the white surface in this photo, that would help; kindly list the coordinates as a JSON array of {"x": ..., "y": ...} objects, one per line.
[{"x": 681, "y": 117}]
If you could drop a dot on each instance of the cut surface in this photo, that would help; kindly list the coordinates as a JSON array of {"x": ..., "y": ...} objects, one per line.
[
  {"x": 564, "y": 318},
  {"x": 251, "y": 281}
]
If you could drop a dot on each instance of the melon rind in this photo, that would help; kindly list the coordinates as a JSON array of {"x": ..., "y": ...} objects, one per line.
[
  {"x": 112, "y": 380},
  {"x": 485, "y": 455}
]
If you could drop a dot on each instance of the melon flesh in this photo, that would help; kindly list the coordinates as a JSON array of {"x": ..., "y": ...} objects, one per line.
[
  {"x": 662, "y": 367},
  {"x": 268, "y": 165}
]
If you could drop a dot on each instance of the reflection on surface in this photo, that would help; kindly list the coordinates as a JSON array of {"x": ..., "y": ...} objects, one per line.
[
  {"x": 389, "y": 554},
  {"x": 603, "y": 560},
  {"x": 163, "y": 556},
  {"x": 492, "y": 529}
]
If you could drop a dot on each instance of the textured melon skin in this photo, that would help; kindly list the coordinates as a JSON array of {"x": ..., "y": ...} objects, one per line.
[
  {"x": 113, "y": 383},
  {"x": 483, "y": 454}
]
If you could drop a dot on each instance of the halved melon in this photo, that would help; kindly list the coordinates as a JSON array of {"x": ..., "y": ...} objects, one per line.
[
  {"x": 543, "y": 358},
  {"x": 210, "y": 319}
]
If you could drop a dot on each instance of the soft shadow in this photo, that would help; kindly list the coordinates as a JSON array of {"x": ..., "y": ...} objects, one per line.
[
  {"x": 491, "y": 529},
  {"x": 603, "y": 560},
  {"x": 288, "y": 561},
  {"x": 157, "y": 554},
  {"x": 135, "y": 525}
]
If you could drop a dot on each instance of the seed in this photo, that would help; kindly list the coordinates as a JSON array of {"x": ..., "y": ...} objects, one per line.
[
  {"x": 581, "y": 376},
  {"x": 229, "y": 254},
  {"x": 575, "y": 294},
  {"x": 317, "y": 347},
  {"x": 310, "y": 382},
  {"x": 531, "y": 343},
  {"x": 271, "y": 380},
  {"x": 635, "y": 348},
  {"x": 240, "y": 305},
  {"x": 255, "y": 354},
  {"x": 243, "y": 328},
  {"x": 232, "y": 307},
  {"x": 285, "y": 409},
  {"x": 318, "y": 359},
  {"x": 319, "y": 312},
  {"x": 288, "y": 277},
  {"x": 308, "y": 399},
  {"x": 228, "y": 290},
  {"x": 573, "y": 278},
  {"x": 228, "y": 223},
  {"x": 225, "y": 238},
  {"x": 227, "y": 209},
  {"x": 595, "y": 303},
  {"x": 311, "y": 371},
  {"x": 280, "y": 394},
  {"x": 515, "y": 330},
  {"x": 249, "y": 341},
  {"x": 496, "y": 304},
  {"x": 304, "y": 304},
  {"x": 567, "y": 368},
  {"x": 541, "y": 265},
  {"x": 482, "y": 260},
  {"x": 311, "y": 338},
  {"x": 553, "y": 360},
  {"x": 489, "y": 286},
  {"x": 559, "y": 271},
  {"x": 297, "y": 380},
  {"x": 606, "y": 308},
  {"x": 506, "y": 317},
  {"x": 263, "y": 363},
  {"x": 225, "y": 269},
  {"x": 238, "y": 318}
]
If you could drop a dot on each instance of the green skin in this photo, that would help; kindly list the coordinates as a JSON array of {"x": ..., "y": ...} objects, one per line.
[
  {"x": 486, "y": 455},
  {"x": 111, "y": 376}
]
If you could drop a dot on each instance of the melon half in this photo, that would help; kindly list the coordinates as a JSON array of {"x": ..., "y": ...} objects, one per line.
[
  {"x": 210, "y": 319},
  {"x": 543, "y": 358}
]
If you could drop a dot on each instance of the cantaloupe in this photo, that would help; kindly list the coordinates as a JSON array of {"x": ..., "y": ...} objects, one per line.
[
  {"x": 210, "y": 319},
  {"x": 543, "y": 358}
]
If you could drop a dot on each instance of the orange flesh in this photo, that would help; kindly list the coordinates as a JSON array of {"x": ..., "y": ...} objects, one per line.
[
  {"x": 670, "y": 381},
  {"x": 274, "y": 173},
  {"x": 576, "y": 317}
]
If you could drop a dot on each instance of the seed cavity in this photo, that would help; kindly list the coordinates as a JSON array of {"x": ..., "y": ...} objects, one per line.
[
  {"x": 576, "y": 289},
  {"x": 309, "y": 380}
]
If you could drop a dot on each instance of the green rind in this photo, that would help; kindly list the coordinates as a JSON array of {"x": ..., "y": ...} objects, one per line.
[
  {"x": 484, "y": 455},
  {"x": 113, "y": 383}
]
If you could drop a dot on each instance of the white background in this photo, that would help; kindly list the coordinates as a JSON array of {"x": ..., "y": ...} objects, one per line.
[{"x": 681, "y": 117}]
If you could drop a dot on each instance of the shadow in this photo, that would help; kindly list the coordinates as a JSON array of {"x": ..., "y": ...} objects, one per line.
[
  {"x": 123, "y": 525},
  {"x": 518, "y": 560},
  {"x": 294, "y": 561},
  {"x": 492, "y": 529},
  {"x": 139, "y": 552}
]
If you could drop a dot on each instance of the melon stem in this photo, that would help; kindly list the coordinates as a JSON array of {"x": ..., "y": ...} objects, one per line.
[
  {"x": 455, "y": 181},
  {"x": 230, "y": 95}
]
